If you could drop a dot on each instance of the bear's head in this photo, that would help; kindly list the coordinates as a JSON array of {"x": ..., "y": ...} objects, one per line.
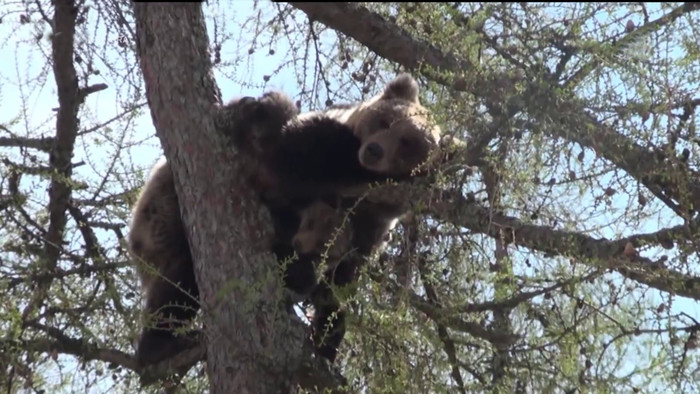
[
  {"x": 396, "y": 131},
  {"x": 320, "y": 223}
]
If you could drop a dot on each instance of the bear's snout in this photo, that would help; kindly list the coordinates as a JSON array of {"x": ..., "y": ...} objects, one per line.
[{"x": 373, "y": 153}]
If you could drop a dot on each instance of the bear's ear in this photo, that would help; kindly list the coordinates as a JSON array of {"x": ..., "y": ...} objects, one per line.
[{"x": 402, "y": 87}]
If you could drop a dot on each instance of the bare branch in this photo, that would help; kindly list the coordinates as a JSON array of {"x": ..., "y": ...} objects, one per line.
[
  {"x": 600, "y": 253},
  {"x": 88, "y": 90},
  {"x": 634, "y": 35},
  {"x": 43, "y": 144},
  {"x": 574, "y": 124},
  {"x": 66, "y": 131},
  {"x": 77, "y": 347}
]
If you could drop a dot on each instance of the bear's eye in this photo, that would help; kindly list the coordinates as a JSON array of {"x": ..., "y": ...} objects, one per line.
[{"x": 384, "y": 124}]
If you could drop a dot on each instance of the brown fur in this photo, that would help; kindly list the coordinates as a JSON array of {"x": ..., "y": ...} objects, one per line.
[
  {"x": 397, "y": 132},
  {"x": 396, "y": 137},
  {"x": 321, "y": 223},
  {"x": 155, "y": 222},
  {"x": 158, "y": 245}
]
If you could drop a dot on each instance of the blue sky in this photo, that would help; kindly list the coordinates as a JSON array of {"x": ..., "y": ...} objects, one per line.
[{"x": 38, "y": 115}]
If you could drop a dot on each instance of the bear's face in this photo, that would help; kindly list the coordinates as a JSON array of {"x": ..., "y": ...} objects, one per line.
[
  {"x": 319, "y": 224},
  {"x": 396, "y": 131}
]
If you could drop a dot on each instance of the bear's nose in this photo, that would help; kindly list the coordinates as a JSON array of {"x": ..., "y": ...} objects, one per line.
[{"x": 373, "y": 153}]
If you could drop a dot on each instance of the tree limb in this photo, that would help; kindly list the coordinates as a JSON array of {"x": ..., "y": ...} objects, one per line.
[
  {"x": 62, "y": 149},
  {"x": 43, "y": 144},
  {"x": 600, "y": 253},
  {"x": 391, "y": 42},
  {"x": 595, "y": 252}
]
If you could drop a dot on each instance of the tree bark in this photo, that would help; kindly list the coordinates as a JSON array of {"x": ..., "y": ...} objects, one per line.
[{"x": 252, "y": 345}]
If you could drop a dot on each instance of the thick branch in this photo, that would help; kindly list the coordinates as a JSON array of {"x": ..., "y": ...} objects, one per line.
[
  {"x": 599, "y": 253},
  {"x": 81, "y": 349},
  {"x": 44, "y": 144},
  {"x": 380, "y": 35},
  {"x": 393, "y": 43},
  {"x": 595, "y": 252},
  {"x": 180, "y": 363},
  {"x": 664, "y": 177},
  {"x": 62, "y": 149},
  {"x": 77, "y": 347}
]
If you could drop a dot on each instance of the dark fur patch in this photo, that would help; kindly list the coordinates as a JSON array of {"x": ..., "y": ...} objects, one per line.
[{"x": 315, "y": 158}]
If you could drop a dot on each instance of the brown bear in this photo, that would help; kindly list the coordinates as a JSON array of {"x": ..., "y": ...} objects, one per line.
[
  {"x": 397, "y": 135},
  {"x": 394, "y": 136},
  {"x": 338, "y": 152},
  {"x": 158, "y": 245},
  {"x": 396, "y": 132},
  {"x": 322, "y": 230}
]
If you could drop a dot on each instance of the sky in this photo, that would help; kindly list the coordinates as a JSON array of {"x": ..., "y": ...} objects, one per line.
[{"x": 38, "y": 115}]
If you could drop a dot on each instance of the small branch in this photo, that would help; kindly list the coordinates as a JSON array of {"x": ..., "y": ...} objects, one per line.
[
  {"x": 443, "y": 334},
  {"x": 631, "y": 37},
  {"x": 438, "y": 314},
  {"x": 114, "y": 118},
  {"x": 80, "y": 271},
  {"x": 43, "y": 144},
  {"x": 88, "y": 90},
  {"x": 94, "y": 251},
  {"x": 520, "y": 297},
  {"x": 77, "y": 347}
]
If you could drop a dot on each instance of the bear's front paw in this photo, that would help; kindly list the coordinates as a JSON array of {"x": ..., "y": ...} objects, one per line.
[{"x": 250, "y": 109}]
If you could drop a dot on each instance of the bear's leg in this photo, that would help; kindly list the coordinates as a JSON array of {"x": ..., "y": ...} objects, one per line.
[
  {"x": 169, "y": 306},
  {"x": 329, "y": 319},
  {"x": 370, "y": 224},
  {"x": 298, "y": 274}
]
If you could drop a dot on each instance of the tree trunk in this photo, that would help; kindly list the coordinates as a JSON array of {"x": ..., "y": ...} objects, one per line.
[{"x": 252, "y": 345}]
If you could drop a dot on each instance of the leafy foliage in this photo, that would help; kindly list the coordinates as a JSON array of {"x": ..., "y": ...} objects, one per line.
[{"x": 556, "y": 252}]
